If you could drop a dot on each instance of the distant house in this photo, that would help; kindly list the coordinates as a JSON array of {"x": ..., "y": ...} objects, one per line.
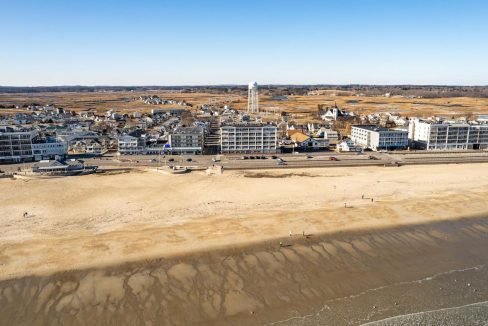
[
  {"x": 348, "y": 145},
  {"x": 305, "y": 142},
  {"x": 331, "y": 135},
  {"x": 93, "y": 147}
]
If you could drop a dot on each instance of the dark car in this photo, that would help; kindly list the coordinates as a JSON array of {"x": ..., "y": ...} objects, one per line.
[
  {"x": 371, "y": 157},
  {"x": 309, "y": 156},
  {"x": 251, "y": 157},
  {"x": 333, "y": 158},
  {"x": 274, "y": 157},
  {"x": 244, "y": 158},
  {"x": 189, "y": 159},
  {"x": 171, "y": 159}
]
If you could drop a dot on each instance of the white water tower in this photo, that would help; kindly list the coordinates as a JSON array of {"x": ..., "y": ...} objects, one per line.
[{"x": 252, "y": 98}]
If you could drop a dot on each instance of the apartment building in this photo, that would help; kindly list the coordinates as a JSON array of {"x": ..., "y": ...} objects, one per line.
[
  {"x": 131, "y": 145},
  {"x": 248, "y": 138},
  {"x": 438, "y": 135},
  {"x": 187, "y": 140},
  {"x": 16, "y": 143},
  {"x": 49, "y": 148},
  {"x": 378, "y": 138}
]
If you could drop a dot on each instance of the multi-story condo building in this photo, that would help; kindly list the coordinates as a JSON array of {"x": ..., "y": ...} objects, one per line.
[
  {"x": 16, "y": 144},
  {"x": 438, "y": 135},
  {"x": 377, "y": 138},
  {"x": 187, "y": 140},
  {"x": 248, "y": 138},
  {"x": 130, "y": 145},
  {"x": 49, "y": 148}
]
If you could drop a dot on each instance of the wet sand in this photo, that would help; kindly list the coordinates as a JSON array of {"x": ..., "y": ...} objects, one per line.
[
  {"x": 153, "y": 249},
  {"x": 348, "y": 278}
]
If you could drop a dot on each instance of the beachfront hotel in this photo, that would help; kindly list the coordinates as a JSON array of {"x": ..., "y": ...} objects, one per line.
[
  {"x": 187, "y": 140},
  {"x": 16, "y": 143},
  {"x": 378, "y": 138},
  {"x": 439, "y": 135},
  {"x": 248, "y": 138}
]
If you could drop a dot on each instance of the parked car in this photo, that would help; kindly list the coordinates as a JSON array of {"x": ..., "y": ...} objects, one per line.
[
  {"x": 244, "y": 158},
  {"x": 371, "y": 157},
  {"x": 274, "y": 157},
  {"x": 189, "y": 159},
  {"x": 252, "y": 157},
  {"x": 309, "y": 156},
  {"x": 333, "y": 158}
]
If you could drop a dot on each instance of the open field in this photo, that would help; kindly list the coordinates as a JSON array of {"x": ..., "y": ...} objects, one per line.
[
  {"x": 142, "y": 247},
  {"x": 306, "y": 105}
]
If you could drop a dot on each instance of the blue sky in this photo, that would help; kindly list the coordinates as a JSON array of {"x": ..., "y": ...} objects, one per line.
[{"x": 194, "y": 42}]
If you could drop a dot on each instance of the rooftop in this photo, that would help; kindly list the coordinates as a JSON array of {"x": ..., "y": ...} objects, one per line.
[
  {"x": 188, "y": 130},
  {"x": 246, "y": 124},
  {"x": 372, "y": 127}
]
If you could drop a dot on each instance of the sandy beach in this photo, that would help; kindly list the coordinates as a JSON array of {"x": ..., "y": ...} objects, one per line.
[{"x": 142, "y": 247}]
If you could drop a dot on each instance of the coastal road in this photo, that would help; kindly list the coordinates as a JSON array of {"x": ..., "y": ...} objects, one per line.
[{"x": 270, "y": 161}]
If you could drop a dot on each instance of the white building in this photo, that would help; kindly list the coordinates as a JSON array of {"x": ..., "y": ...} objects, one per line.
[
  {"x": 332, "y": 114},
  {"x": 49, "y": 149},
  {"x": 248, "y": 138},
  {"x": 130, "y": 145},
  {"x": 347, "y": 145},
  {"x": 21, "y": 144},
  {"x": 331, "y": 135},
  {"x": 377, "y": 138},
  {"x": 438, "y": 135}
]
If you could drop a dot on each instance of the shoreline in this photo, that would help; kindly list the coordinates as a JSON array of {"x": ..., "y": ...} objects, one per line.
[{"x": 324, "y": 269}]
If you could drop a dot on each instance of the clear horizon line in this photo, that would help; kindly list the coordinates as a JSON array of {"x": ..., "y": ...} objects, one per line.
[{"x": 237, "y": 84}]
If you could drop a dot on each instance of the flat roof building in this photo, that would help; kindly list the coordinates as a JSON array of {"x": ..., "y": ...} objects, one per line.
[
  {"x": 187, "y": 140},
  {"x": 248, "y": 138},
  {"x": 378, "y": 138},
  {"x": 131, "y": 145},
  {"x": 438, "y": 135},
  {"x": 16, "y": 144}
]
